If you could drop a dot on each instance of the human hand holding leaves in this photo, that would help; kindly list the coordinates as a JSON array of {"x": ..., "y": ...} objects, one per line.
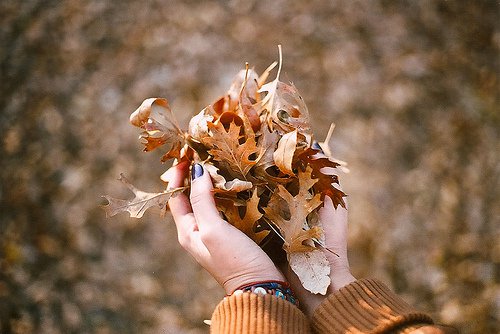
[
  {"x": 255, "y": 143},
  {"x": 230, "y": 256}
]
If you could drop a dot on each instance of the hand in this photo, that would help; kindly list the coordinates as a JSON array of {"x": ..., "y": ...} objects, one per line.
[
  {"x": 334, "y": 222},
  {"x": 225, "y": 252}
]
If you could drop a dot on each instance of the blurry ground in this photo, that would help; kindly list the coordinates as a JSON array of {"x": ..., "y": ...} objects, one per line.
[{"x": 413, "y": 87}]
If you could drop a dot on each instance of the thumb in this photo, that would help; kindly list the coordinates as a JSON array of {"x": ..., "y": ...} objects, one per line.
[
  {"x": 334, "y": 223},
  {"x": 202, "y": 199}
]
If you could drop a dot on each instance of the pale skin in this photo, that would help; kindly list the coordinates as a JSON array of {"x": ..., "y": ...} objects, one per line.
[{"x": 235, "y": 260}]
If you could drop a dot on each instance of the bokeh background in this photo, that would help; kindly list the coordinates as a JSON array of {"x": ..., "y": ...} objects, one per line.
[{"x": 413, "y": 87}]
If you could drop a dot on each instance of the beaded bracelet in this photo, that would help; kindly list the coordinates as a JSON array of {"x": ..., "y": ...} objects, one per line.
[{"x": 276, "y": 288}]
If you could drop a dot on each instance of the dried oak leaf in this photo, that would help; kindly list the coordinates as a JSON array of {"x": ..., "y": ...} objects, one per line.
[
  {"x": 241, "y": 98},
  {"x": 222, "y": 185},
  {"x": 283, "y": 156},
  {"x": 326, "y": 181},
  {"x": 267, "y": 144},
  {"x": 250, "y": 113},
  {"x": 140, "y": 203},
  {"x": 299, "y": 207},
  {"x": 313, "y": 270},
  {"x": 244, "y": 84},
  {"x": 225, "y": 148},
  {"x": 155, "y": 117},
  {"x": 249, "y": 220},
  {"x": 198, "y": 125},
  {"x": 286, "y": 109},
  {"x": 310, "y": 265}
]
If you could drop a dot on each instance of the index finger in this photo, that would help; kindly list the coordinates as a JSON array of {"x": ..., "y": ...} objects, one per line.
[
  {"x": 179, "y": 204},
  {"x": 202, "y": 199}
]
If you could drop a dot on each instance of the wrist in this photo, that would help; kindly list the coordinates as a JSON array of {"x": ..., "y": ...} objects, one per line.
[
  {"x": 275, "y": 288},
  {"x": 340, "y": 278},
  {"x": 243, "y": 280}
]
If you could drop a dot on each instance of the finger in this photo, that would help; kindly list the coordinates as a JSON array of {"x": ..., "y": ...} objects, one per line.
[
  {"x": 179, "y": 205},
  {"x": 171, "y": 176},
  {"x": 334, "y": 223},
  {"x": 202, "y": 200},
  {"x": 167, "y": 176}
]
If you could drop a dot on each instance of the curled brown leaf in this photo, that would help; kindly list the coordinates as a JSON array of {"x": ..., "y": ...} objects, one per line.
[
  {"x": 155, "y": 117},
  {"x": 142, "y": 201}
]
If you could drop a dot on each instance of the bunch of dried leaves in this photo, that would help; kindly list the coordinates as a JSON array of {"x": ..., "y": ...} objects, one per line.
[{"x": 257, "y": 145}]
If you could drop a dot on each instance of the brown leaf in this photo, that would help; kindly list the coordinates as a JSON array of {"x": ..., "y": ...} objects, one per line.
[
  {"x": 286, "y": 109},
  {"x": 265, "y": 170},
  {"x": 156, "y": 118},
  {"x": 267, "y": 144},
  {"x": 242, "y": 94},
  {"x": 247, "y": 100},
  {"x": 313, "y": 157},
  {"x": 198, "y": 125},
  {"x": 313, "y": 270},
  {"x": 263, "y": 77},
  {"x": 283, "y": 156},
  {"x": 225, "y": 148},
  {"x": 289, "y": 111},
  {"x": 249, "y": 113},
  {"x": 249, "y": 220},
  {"x": 326, "y": 180},
  {"x": 241, "y": 99},
  {"x": 326, "y": 187},
  {"x": 297, "y": 208},
  {"x": 307, "y": 262},
  {"x": 228, "y": 117},
  {"x": 244, "y": 84},
  {"x": 140, "y": 203},
  {"x": 220, "y": 183}
]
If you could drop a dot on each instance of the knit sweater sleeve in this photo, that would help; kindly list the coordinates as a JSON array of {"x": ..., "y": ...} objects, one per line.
[
  {"x": 367, "y": 306},
  {"x": 364, "y": 306},
  {"x": 252, "y": 313}
]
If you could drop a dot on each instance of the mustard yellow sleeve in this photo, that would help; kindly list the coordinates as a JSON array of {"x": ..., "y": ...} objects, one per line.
[
  {"x": 367, "y": 306},
  {"x": 251, "y": 313}
]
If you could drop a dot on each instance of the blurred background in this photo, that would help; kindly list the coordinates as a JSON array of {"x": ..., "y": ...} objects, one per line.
[{"x": 413, "y": 87}]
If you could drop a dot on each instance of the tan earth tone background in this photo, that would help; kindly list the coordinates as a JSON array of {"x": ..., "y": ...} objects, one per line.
[{"x": 413, "y": 87}]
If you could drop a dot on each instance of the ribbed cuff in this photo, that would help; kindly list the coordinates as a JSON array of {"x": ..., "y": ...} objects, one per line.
[
  {"x": 252, "y": 313},
  {"x": 366, "y": 306}
]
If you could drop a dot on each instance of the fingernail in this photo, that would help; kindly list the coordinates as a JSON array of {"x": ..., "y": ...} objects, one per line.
[
  {"x": 196, "y": 171},
  {"x": 316, "y": 146}
]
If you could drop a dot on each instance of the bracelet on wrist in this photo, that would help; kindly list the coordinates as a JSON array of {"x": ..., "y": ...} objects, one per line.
[{"x": 276, "y": 288}]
